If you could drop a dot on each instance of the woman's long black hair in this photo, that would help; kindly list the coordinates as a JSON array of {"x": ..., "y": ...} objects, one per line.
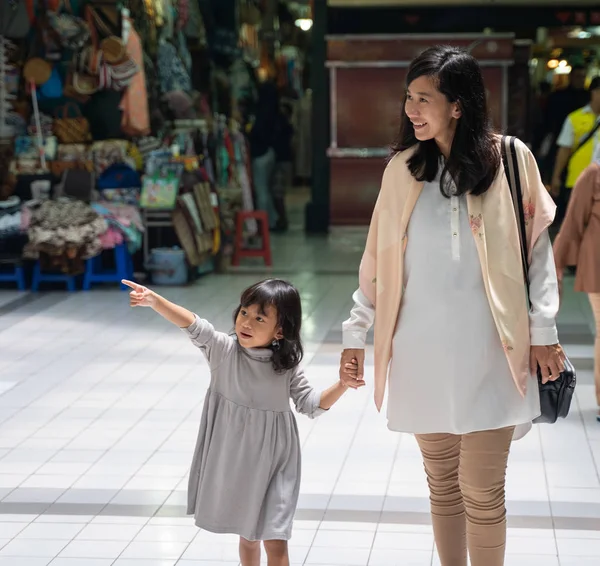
[
  {"x": 284, "y": 297},
  {"x": 475, "y": 155}
]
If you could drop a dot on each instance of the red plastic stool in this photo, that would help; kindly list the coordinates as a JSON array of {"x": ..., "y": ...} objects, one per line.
[{"x": 238, "y": 250}]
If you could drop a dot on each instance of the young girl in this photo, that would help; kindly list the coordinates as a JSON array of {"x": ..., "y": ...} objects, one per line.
[{"x": 245, "y": 474}]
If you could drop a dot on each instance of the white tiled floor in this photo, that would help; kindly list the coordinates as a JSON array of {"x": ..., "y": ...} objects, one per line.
[{"x": 99, "y": 409}]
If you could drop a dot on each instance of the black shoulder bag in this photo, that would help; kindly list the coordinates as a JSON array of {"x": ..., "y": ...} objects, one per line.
[{"x": 555, "y": 396}]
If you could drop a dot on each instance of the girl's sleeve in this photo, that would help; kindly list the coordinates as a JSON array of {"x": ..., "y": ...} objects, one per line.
[
  {"x": 215, "y": 345},
  {"x": 305, "y": 397}
]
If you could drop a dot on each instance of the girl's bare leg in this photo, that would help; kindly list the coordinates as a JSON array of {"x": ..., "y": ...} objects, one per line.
[
  {"x": 277, "y": 552},
  {"x": 249, "y": 552}
]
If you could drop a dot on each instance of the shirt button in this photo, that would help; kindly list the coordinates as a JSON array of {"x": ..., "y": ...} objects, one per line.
[
  {"x": 455, "y": 234},
  {"x": 455, "y": 209}
]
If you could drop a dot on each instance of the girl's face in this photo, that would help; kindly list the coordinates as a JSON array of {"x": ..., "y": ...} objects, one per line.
[
  {"x": 432, "y": 116},
  {"x": 256, "y": 328}
]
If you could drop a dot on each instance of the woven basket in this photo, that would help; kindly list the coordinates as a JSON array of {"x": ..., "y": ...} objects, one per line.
[{"x": 37, "y": 70}]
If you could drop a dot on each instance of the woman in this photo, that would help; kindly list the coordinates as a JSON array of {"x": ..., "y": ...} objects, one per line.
[
  {"x": 447, "y": 296},
  {"x": 262, "y": 140},
  {"x": 577, "y": 244},
  {"x": 284, "y": 170}
]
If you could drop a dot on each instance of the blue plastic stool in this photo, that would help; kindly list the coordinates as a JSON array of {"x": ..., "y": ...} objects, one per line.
[
  {"x": 123, "y": 269},
  {"x": 40, "y": 277},
  {"x": 17, "y": 275}
]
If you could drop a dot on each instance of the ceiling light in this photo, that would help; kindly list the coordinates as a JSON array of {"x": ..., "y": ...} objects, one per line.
[
  {"x": 564, "y": 70},
  {"x": 304, "y": 23}
]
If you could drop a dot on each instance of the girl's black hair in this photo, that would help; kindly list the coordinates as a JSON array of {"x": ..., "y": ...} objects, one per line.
[
  {"x": 475, "y": 155},
  {"x": 284, "y": 297}
]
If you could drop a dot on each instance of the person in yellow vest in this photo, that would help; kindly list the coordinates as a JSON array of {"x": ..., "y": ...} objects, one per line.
[{"x": 577, "y": 141}]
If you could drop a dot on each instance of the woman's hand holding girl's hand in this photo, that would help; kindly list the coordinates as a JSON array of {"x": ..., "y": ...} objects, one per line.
[
  {"x": 140, "y": 296},
  {"x": 352, "y": 368}
]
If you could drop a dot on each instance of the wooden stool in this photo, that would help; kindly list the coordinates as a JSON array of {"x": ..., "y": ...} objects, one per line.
[{"x": 265, "y": 250}]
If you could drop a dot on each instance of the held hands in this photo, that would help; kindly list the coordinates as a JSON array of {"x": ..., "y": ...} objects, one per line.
[
  {"x": 352, "y": 368},
  {"x": 550, "y": 359},
  {"x": 140, "y": 296}
]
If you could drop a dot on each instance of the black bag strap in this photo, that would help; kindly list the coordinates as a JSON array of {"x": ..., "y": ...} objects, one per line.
[
  {"x": 511, "y": 169},
  {"x": 586, "y": 138}
]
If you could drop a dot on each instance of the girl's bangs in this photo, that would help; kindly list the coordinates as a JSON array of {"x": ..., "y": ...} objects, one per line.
[{"x": 260, "y": 295}]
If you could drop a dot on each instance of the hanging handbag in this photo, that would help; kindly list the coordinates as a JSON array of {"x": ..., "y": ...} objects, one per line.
[
  {"x": 555, "y": 396},
  {"x": 78, "y": 184},
  {"x": 74, "y": 129},
  {"x": 107, "y": 57}
]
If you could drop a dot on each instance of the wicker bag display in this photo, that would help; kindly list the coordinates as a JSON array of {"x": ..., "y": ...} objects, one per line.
[{"x": 75, "y": 129}]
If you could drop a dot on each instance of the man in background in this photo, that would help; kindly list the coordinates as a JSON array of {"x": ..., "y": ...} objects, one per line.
[
  {"x": 559, "y": 105},
  {"x": 578, "y": 139}
]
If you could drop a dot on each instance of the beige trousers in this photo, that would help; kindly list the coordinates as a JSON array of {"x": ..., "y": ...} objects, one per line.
[
  {"x": 466, "y": 476},
  {"x": 595, "y": 302}
]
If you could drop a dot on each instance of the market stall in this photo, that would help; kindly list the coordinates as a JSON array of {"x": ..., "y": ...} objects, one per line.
[{"x": 100, "y": 104}]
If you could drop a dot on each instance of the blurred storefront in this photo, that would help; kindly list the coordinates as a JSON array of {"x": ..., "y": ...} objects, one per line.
[{"x": 367, "y": 46}]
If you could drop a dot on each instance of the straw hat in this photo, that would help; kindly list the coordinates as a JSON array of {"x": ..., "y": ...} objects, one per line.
[
  {"x": 113, "y": 49},
  {"x": 37, "y": 70}
]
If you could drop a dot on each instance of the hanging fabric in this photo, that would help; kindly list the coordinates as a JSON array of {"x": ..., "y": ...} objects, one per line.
[
  {"x": 243, "y": 176},
  {"x": 171, "y": 69},
  {"x": 72, "y": 31},
  {"x": 194, "y": 29},
  {"x": 134, "y": 104},
  {"x": 183, "y": 11},
  {"x": 107, "y": 16},
  {"x": 14, "y": 19},
  {"x": 303, "y": 137}
]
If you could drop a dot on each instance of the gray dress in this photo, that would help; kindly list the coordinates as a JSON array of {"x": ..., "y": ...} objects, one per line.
[{"x": 245, "y": 474}]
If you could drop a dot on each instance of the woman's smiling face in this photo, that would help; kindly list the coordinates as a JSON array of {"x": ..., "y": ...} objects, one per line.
[{"x": 431, "y": 114}]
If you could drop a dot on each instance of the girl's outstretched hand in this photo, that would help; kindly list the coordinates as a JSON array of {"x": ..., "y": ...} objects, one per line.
[{"x": 140, "y": 296}]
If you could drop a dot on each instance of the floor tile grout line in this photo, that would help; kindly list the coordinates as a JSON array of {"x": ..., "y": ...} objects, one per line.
[
  {"x": 145, "y": 462},
  {"x": 356, "y": 428},
  {"x": 58, "y": 356},
  {"x": 174, "y": 431},
  {"x": 98, "y": 417},
  {"x": 547, "y": 483},
  {"x": 388, "y": 483},
  {"x": 42, "y": 426},
  {"x": 91, "y": 389}
]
